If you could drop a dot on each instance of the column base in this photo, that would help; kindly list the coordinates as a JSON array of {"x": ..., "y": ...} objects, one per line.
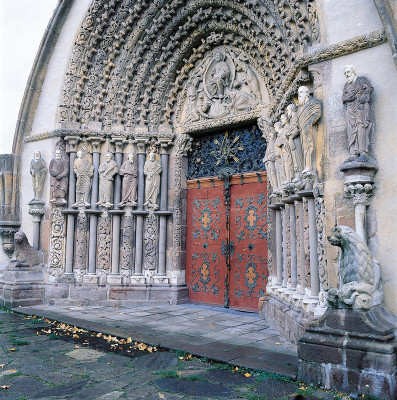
[
  {"x": 115, "y": 279},
  {"x": 137, "y": 280},
  {"x": 161, "y": 279},
  {"x": 353, "y": 351}
]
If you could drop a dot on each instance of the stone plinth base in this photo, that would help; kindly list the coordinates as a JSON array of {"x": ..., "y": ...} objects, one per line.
[
  {"x": 352, "y": 351},
  {"x": 286, "y": 318},
  {"x": 94, "y": 293},
  {"x": 21, "y": 285}
]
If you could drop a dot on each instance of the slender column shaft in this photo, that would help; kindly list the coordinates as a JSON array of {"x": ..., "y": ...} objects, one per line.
[
  {"x": 314, "y": 276},
  {"x": 279, "y": 247},
  {"x": 163, "y": 218},
  {"x": 36, "y": 234},
  {"x": 302, "y": 244},
  {"x": 116, "y": 218},
  {"x": 139, "y": 218},
  {"x": 285, "y": 270},
  {"x": 92, "y": 250},
  {"x": 71, "y": 217},
  {"x": 360, "y": 211},
  {"x": 294, "y": 267}
]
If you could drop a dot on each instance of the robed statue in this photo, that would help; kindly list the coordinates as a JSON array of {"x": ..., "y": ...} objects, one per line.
[
  {"x": 152, "y": 171},
  {"x": 129, "y": 173},
  {"x": 84, "y": 171},
  {"x": 357, "y": 98},
  {"x": 107, "y": 170},
  {"x": 38, "y": 170},
  {"x": 59, "y": 178}
]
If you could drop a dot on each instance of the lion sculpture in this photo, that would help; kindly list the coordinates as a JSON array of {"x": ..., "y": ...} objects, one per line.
[
  {"x": 360, "y": 285},
  {"x": 24, "y": 253}
]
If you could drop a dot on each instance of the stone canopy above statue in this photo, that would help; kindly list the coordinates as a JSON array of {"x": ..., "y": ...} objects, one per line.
[{"x": 225, "y": 88}]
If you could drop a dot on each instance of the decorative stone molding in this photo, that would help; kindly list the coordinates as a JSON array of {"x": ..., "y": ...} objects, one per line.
[{"x": 7, "y": 238}]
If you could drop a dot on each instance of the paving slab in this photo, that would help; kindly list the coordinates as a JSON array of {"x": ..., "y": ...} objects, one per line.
[{"x": 229, "y": 336}]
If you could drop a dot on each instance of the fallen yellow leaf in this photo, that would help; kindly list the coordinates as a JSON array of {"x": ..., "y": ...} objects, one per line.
[
  {"x": 179, "y": 373},
  {"x": 201, "y": 317},
  {"x": 129, "y": 339},
  {"x": 161, "y": 396},
  {"x": 11, "y": 370},
  {"x": 75, "y": 336},
  {"x": 12, "y": 349},
  {"x": 76, "y": 347},
  {"x": 2, "y": 365},
  {"x": 5, "y": 387},
  {"x": 278, "y": 344},
  {"x": 181, "y": 358},
  {"x": 212, "y": 324},
  {"x": 247, "y": 375},
  {"x": 235, "y": 369}
]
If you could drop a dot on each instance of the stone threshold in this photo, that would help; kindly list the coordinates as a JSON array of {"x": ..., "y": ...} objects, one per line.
[{"x": 236, "y": 338}]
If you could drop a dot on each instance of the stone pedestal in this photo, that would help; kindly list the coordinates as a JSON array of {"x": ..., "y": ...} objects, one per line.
[
  {"x": 21, "y": 285},
  {"x": 353, "y": 351}
]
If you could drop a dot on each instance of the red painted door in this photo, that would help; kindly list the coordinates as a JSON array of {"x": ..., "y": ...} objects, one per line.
[{"x": 226, "y": 249}]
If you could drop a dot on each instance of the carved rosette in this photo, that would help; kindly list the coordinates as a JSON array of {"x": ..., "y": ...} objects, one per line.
[
  {"x": 127, "y": 253},
  {"x": 104, "y": 243},
  {"x": 150, "y": 242},
  {"x": 57, "y": 240},
  {"x": 81, "y": 244},
  {"x": 182, "y": 146}
]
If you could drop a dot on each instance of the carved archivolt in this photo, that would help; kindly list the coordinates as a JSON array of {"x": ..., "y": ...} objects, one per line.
[{"x": 131, "y": 59}]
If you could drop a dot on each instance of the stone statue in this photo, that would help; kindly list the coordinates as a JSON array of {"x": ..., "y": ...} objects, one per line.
[
  {"x": 356, "y": 98},
  {"x": 84, "y": 171},
  {"x": 129, "y": 173},
  {"x": 152, "y": 170},
  {"x": 107, "y": 170},
  {"x": 309, "y": 113},
  {"x": 220, "y": 76},
  {"x": 38, "y": 170},
  {"x": 279, "y": 165},
  {"x": 360, "y": 286},
  {"x": 285, "y": 149},
  {"x": 294, "y": 140},
  {"x": 59, "y": 178},
  {"x": 25, "y": 254},
  {"x": 270, "y": 158}
]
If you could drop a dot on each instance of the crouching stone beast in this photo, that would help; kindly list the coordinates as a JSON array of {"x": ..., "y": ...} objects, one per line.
[
  {"x": 360, "y": 286},
  {"x": 24, "y": 253}
]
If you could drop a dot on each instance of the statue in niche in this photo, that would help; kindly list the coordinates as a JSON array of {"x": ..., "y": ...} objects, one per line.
[
  {"x": 294, "y": 140},
  {"x": 107, "y": 170},
  {"x": 279, "y": 165},
  {"x": 285, "y": 149},
  {"x": 220, "y": 76},
  {"x": 309, "y": 112},
  {"x": 357, "y": 98},
  {"x": 59, "y": 177},
  {"x": 129, "y": 173},
  {"x": 84, "y": 171},
  {"x": 270, "y": 158},
  {"x": 38, "y": 170},
  {"x": 360, "y": 284},
  {"x": 152, "y": 171}
]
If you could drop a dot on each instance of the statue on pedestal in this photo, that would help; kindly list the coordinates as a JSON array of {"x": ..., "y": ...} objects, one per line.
[
  {"x": 84, "y": 171},
  {"x": 59, "y": 172},
  {"x": 309, "y": 112},
  {"x": 152, "y": 171},
  {"x": 356, "y": 98},
  {"x": 294, "y": 140},
  {"x": 38, "y": 170},
  {"x": 107, "y": 170},
  {"x": 279, "y": 165},
  {"x": 270, "y": 158},
  {"x": 129, "y": 173},
  {"x": 285, "y": 149}
]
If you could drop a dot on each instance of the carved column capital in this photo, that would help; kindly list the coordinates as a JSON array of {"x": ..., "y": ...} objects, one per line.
[
  {"x": 96, "y": 144},
  {"x": 165, "y": 140},
  {"x": 359, "y": 192},
  {"x": 72, "y": 142},
  {"x": 37, "y": 213},
  {"x": 118, "y": 143}
]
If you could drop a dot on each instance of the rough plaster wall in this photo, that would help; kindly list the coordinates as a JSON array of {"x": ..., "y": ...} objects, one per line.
[
  {"x": 357, "y": 17},
  {"x": 45, "y": 116}
]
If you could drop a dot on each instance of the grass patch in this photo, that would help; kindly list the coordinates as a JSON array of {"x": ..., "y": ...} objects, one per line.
[
  {"x": 19, "y": 373},
  {"x": 194, "y": 378},
  {"x": 17, "y": 342},
  {"x": 53, "y": 336},
  {"x": 168, "y": 374}
]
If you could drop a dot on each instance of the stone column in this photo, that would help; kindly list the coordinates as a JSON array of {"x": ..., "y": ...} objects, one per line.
[
  {"x": 37, "y": 213},
  {"x": 279, "y": 242},
  {"x": 165, "y": 139},
  {"x": 71, "y": 213},
  {"x": 116, "y": 213},
  {"x": 93, "y": 211},
  {"x": 294, "y": 261},
  {"x": 141, "y": 138},
  {"x": 285, "y": 216}
]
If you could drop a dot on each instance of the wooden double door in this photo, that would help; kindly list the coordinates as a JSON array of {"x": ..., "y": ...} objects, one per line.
[{"x": 226, "y": 243}]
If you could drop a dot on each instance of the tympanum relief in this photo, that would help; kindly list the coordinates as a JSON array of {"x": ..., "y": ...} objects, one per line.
[{"x": 224, "y": 85}]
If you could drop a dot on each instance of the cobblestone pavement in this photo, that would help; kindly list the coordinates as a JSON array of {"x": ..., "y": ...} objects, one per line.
[
  {"x": 37, "y": 364},
  {"x": 220, "y": 334}
]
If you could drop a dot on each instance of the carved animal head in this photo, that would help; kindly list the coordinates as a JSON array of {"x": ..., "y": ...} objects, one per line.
[
  {"x": 20, "y": 237},
  {"x": 335, "y": 237}
]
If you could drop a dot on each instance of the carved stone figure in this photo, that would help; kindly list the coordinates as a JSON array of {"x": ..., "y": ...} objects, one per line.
[
  {"x": 279, "y": 165},
  {"x": 220, "y": 76},
  {"x": 309, "y": 113},
  {"x": 356, "y": 98},
  {"x": 247, "y": 77},
  {"x": 84, "y": 171},
  {"x": 294, "y": 140},
  {"x": 24, "y": 253},
  {"x": 59, "y": 172},
  {"x": 38, "y": 170},
  {"x": 270, "y": 158},
  {"x": 129, "y": 173},
  {"x": 107, "y": 170},
  {"x": 152, "y": 171},
  {"x": 359, "y": 273},
  {"x": 285, "y": 149}
]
